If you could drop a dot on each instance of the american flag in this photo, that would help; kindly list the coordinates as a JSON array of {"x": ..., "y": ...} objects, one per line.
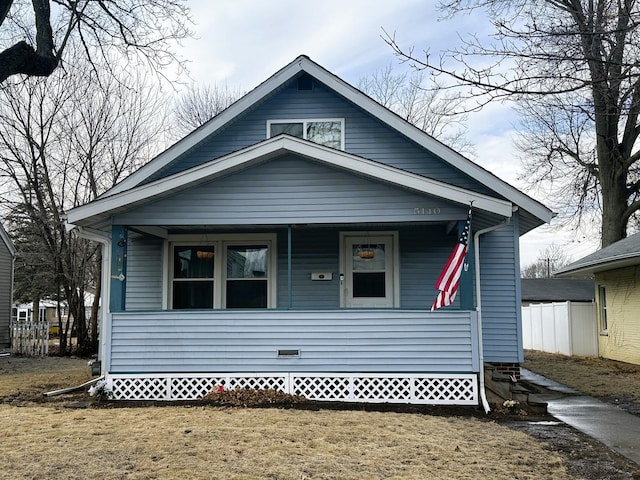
[{"x": 449, "y": 279}]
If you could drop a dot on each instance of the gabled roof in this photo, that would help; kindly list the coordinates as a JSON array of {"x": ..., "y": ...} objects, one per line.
[
  {"x": 304, "y": 64},
  {"x": 104, "y": 207},
  {"x": 623, "y": 253},
  {"x": 4, "y": 237},
  {"x": 557, "y": 290}
]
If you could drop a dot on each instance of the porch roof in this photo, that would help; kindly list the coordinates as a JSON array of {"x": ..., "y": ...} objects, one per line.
[{"x": 98, "y": 212}]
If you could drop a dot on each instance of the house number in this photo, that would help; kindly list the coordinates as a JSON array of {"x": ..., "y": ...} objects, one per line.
[{"x": 426, "y": 211}]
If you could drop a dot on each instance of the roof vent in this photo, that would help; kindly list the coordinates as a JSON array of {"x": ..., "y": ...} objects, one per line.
[{"x": 305, "y": 82}]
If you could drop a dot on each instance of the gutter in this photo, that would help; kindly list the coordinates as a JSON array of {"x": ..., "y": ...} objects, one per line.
[
  {"x": 476, "y": 246},
  {"x": 104, "y": 239}
]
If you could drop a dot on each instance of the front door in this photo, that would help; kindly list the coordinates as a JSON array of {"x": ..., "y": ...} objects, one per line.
[{"x": 369, "y": 277}]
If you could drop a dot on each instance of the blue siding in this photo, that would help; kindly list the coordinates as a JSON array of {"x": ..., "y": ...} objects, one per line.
[
  {"x": 6, "y": 275},
  {"x": 499, "y": 268},
  {"x": 364, "y": 136},
  {"x": 328, "y": 341},
  {"x": 289, "y": 190},
  {"x": 312, "y": 250},
  {"x": 144, "y": 273}
]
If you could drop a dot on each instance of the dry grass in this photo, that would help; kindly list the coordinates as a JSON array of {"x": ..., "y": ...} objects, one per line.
[
  {"x": 205, "y": 443},
  {"x": 594, "y": 376},
  {"x": 26, "y": 377},
  {"x": 48, "y": 440}
]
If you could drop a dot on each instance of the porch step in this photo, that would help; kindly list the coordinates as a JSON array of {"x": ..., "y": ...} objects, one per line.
[{"x": 500, "y": 387}]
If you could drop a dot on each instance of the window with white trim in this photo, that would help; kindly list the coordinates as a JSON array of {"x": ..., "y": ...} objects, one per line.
[
  {"x": 193, "y": 276},
  {"x": 602, "y": 300},
  {"x": 328, "y": 132},
  {"x": 229, "y": 272}
]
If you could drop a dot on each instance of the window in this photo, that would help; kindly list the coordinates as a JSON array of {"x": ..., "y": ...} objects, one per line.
[
  {"x": 224, "y": 272},
  {"x": 193, "y": 274},
  {"x": 247, "y": 269},
  {"x": 328, "y": 132},
  {"x": 602, "y": 299}
]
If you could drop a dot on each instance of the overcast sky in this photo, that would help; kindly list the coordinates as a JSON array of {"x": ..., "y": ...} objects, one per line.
[{"x": 243, "y": 42}]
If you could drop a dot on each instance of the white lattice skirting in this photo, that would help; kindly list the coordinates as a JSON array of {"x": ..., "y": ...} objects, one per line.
[{"x": 430, "y": 389}]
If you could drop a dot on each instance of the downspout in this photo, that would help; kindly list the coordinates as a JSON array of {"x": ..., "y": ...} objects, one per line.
[
  {"x": 476, "y": 245},
  {"x": 104, "y": 239}
]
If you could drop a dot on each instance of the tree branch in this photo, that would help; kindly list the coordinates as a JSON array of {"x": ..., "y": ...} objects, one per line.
[
  {"x": 5, "y": 5},
  {"x": 22, "y": 58}
]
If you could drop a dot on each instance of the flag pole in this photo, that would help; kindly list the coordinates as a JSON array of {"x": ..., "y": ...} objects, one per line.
[{"x": 449, "y": 279}]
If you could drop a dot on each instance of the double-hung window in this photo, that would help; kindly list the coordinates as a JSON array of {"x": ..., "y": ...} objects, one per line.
[
  {"x": 229, "y": 272},
  {"x": 247, "y": 276},
  {"x": 193, "y": 276},
  {"x": 328, "y": 132}
]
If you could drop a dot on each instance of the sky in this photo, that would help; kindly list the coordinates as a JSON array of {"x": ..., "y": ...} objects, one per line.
[{"x": 241, "y": 43}]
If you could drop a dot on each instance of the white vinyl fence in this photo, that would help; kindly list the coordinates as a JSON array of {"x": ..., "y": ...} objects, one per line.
[{"x": 568, "y": 328}]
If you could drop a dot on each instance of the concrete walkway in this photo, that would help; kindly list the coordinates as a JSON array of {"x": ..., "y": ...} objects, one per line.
[{"x": 612, "y": 426}]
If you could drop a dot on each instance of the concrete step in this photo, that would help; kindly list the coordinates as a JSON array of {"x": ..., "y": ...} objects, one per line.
[{"x": 501, "y": 387}]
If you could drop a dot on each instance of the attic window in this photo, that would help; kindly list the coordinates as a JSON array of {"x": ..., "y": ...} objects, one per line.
[{"x": 328, "y": 132}]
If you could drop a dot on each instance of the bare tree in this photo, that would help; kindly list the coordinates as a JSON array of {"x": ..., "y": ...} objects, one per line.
[
  {"x": 549, "y": 260},
  {"x": 200, "y": 103},
  {"x": 574, "y": 67},
  {"x": 35, "y": 37},
  {"x": 425, "y": 106},
  {"x": 63, "y": 141}
]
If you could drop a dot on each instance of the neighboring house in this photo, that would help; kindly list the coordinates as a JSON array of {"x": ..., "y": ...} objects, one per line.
[
  {"x": 549, "y": 290},
  {"x": 7, "y": 257},
  {"x": 49, "y": 311},
  {"x": 616, "y": 270},
  {"x": 294, "y": 242},
  {"x": 558, "y": 316}
]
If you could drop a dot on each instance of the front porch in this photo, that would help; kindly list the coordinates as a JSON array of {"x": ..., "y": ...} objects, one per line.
[{"x": 359, "y": 355}]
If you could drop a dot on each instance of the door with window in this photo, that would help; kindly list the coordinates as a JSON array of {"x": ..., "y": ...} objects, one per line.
[{"x": 369, "y": 270}]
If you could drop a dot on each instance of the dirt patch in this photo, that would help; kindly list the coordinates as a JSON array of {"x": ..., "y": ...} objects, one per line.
[
  {"x": 583, "y": 457},
  {"x": 25, "y": 379}
]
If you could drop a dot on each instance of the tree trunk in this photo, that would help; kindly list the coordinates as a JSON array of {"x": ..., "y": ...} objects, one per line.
[
  {"x": 95, "y": 307},
  {"x": 35, "y": 311},
  {"x": 62, "y": 334},
  {"x": 613, "y": 180}
]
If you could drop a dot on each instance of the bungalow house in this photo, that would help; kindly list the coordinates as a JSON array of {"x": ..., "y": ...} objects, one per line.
[
  {"x": 293, "y": 242},
  {"x": 616, "y": 270},
  {"x": 7, "y": 257}
]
